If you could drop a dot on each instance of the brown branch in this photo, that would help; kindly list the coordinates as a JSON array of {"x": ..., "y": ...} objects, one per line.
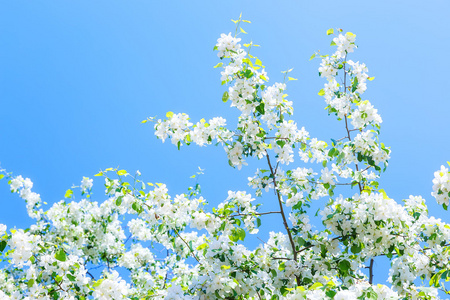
[
  {"x": 187, "y": 245},
  {"x": 282, "y": 258},
  {"x": 256, "y": 214},
  {"x": 291, "y": 240}
]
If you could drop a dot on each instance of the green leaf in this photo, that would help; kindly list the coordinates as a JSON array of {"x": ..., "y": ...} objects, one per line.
[
  {"x": 281, "y": 143},
  {"x": 291, "y": 78},
  {"x": 315, "y": 286},
  {"x": 71, "y": 277},
  {"x": 169, "y": 114},
  {"x": 344, "y": 266},
  {"x": 330, "y": 31},
  {"x": 312, "y": 56},
  {"x": 260, "y": 108},
  {"x": 356, "y": 249},
  {"x": 30, "y": 282},
  {"x": 371, "y": 295},
  {"x": 1, "y": 176},
  {"x": 333, "y": 43},
  {"x": 330, "y": 293},
  {"x": 145, "y": 121},
  {"x": 60, "y": 255},
  {"x": 2, "y": 246},
  {"x": 385, "y": 196},
  {"x": 243, "y": 31},
  {"x": 241, "y": 233},
  {"x": 68, "y": 193},
  {"x": 218, "y": 65},
  {"x": 331, "y": 152},
  {"x": 359, "y": 157},
  {"x": 121, "y": 172},
  {"x": 225, "y": 97},
  {"x": 321, "y": 92},
  {"x": 355, "y": 84},
  {"x": 137, "y": 208}
]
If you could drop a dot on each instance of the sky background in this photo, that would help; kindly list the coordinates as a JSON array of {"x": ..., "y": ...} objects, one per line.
[{"x": 78, "y": 77}]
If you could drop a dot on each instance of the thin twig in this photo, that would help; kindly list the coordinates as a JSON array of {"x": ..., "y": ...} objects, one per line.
[
  {"x": 256, "y": 214},
  {"x": 192, "y": 252}
]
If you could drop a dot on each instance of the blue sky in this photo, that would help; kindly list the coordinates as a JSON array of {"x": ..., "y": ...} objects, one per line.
[{"x": 78, "y": 77}]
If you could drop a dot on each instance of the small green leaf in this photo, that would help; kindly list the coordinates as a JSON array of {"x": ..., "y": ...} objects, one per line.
[
  {"x": 145, "y": 121},
  {"x": 315, "y": 286},
  {"x": 331, "y": 152},
  {"x": 243, "y": 31},
  {"x": 333, "y": 43},
  {"x": 321, "y": 92},
  {"x": 68, "y": 193},
  {"x": 260, "y": 108},
  {"x": 344, "y": 266},
  {"x": 385, "y": 196},
  {"x": 330, "y": 31},
  {"x": 290, "y": 78},
  {"x": 202, "y": 246},
  {"x": 356, "y": 249},
  {"x": 60, "y": 255},
  {"x": 121, "y": 172},
  {"x": 2, "y": 246},
  {"x": 225, "y": 97},
  {"x": 1, "y": 176},
  {"x": 169, "y": 114},
  {"x": 312, "y": 56},
  {"x": 30, "y": 282},
  {"x": 71, "y": 277},
  {"x": 218, "y": 65}
]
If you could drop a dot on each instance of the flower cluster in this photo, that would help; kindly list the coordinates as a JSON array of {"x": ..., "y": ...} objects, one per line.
[{"x": 441, "y": 186}]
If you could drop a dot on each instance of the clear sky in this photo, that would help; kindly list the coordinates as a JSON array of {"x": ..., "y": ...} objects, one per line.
[{"x": 78, "y": 77}]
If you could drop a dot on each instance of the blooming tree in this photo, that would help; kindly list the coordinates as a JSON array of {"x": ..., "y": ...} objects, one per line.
[{"x": 112, "y": 249}]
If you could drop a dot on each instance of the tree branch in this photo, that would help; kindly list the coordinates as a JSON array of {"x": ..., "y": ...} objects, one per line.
[
  {"x": 187, "y": 245},
  {"x": 291, "y": 240}
]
